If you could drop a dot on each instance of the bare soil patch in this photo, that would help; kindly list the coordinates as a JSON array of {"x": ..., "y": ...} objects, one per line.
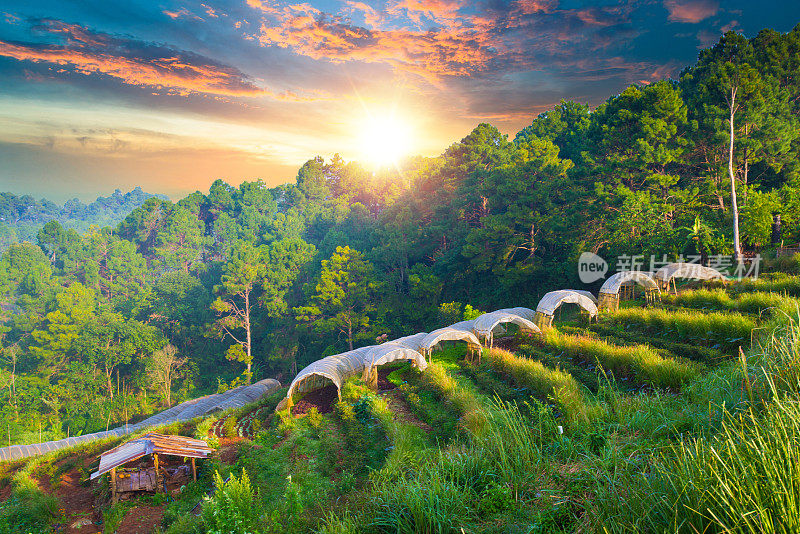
[
  {"x": 229, "y": 450},
  {"x": 509, "y": 343},
  {"x": 384, "y": 384},
  {"x": 322, "y": 399},
  {"x": 141, "y": 520}
]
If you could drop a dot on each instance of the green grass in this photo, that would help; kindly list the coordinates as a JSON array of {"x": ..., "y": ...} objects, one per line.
[
  {"x": 28, "y": 509},
  {"x": 722, "y": 331},
  {"x": 780, "y": 283},
  {"x": 684, "y": 350},
  {"x": 661, "y": 433},
  {"x": 754, "y": 303},
  {"x": 641, "y": 364},
  {"x": 573, "y": 400}
]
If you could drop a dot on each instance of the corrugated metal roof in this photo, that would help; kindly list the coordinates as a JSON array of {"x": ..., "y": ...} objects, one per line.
[{"x": 148, "y": 444}]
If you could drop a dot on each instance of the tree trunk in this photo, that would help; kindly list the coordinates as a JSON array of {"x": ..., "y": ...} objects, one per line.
[
  {"x": 249, "y": 339},
  {"x": 350, "y": 335},
  {"x": 109, "y": 384},
  {"x": 737, "y": 248}
]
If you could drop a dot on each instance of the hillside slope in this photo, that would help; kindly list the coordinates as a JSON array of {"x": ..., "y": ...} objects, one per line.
[{"x": 591, "y": 428}]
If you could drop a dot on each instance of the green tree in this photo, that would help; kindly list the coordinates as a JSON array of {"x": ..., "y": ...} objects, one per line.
[
  {"x": 242, "y": 273},
  {"x": 732, "y": 92},
  {"x": 343, "y": 296},
  {"x": 162, "y": 368},
  {"x": 181, "y": 240}
]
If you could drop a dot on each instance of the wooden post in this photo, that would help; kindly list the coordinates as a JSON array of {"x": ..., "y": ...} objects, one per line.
[
  {"x": 194, "y": 471},
  {"x": 155, "y": 461},
  {"x": 113, "y": 485}
]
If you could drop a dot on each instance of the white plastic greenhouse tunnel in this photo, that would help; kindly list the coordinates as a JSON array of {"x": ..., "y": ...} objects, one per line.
[
  {"x": 186, "y": 411},
  {"x": 387, "y": 353},
  {"x": 550, "y": 302},
  {"x": 624, "y": 281},
  {"x": 488, "y": 324},
  {"x": 667, "y": 274}
]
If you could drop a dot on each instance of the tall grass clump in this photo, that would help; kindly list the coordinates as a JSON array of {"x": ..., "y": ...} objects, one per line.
[
  {"x": 685, "y": 350},
  {"x": 514, "y": 443},
  {"x": 644, "y": 365},
  {"x": 746, "y": 478},
  {"x": 571, "y": 398},
  {"x": 772, "y": 283},
  {"x": 754, "y": 303},
  {"x": 779, "y": 361},
  {"x": 431, "y": 501},
  {"x": 458, "y": 487},
  {"x": 462, "y": 399},
  {"x": 725, "y": 331}
]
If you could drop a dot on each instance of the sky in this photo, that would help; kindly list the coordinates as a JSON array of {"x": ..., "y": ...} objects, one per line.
[{"x": 171, "y": 95}]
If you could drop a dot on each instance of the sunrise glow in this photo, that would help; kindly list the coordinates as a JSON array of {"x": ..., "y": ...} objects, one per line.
[{"x": 384, "y": 140}]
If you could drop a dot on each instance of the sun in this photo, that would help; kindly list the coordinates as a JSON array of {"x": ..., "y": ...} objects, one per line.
[{"x": 384, "y": 140}]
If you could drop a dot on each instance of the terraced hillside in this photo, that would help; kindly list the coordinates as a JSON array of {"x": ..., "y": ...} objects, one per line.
[{"x": 682, "y": 416}]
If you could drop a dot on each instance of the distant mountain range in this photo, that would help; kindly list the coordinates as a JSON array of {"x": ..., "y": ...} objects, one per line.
[{"x": 21, "y": 217}]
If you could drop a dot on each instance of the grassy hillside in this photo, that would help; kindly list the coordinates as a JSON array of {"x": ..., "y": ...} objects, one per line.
[{"x": 651, "y": 420}]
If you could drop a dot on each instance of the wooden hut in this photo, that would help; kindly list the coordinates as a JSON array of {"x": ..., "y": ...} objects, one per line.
[{"x": 155, "y": 477}]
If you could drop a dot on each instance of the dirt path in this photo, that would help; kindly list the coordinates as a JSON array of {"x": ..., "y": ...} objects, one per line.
[
  {"x": 141, "y": 520},
  {"x": 384, "y": 384},
  {"x": 78, "y": 503},
  {"x": 401, "y": 410}
]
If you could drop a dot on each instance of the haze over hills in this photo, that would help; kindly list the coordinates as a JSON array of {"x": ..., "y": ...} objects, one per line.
[{"x": 21, "y": 217}]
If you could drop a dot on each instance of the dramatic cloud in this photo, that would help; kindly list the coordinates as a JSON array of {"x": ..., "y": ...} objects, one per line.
[
  {"x": 159, "y": 68},
  {"x": 177, "y": 94},
  {"x": 444, "y": 38},
  {"x": 692, "y": 11},
  {"x": 456, "y": 49}
]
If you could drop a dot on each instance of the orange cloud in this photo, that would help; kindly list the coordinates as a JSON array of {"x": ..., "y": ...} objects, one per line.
[
  {"x": 437, "y": 38},
  {"x": 172, "y": 74},
  {"x": 160, "y": 69},
  {"x": 692, "y": 11},
  {"x": 456, "y": 48}
]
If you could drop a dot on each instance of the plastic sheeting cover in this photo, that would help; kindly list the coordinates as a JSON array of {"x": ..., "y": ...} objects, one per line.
[
  {"x": 612, "y": 285},
  {"x": 552, "y": 300},
  {"x": 389, "y": 352},
  {"x": 692, "y": 271},
  {"x": 450, "y": 333},
  {"x": 185, "y": 411},
  {"x": 336, "y": 368},
  {"x": 486, "y": 323},
  {"x": 413, "y": 341},
  {"x": 525, "y": 313}
]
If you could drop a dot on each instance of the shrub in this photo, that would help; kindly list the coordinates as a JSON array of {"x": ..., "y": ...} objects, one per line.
[
  {"x": 233, "y": 508},
  {"x": 229, "y": 426},
  {"x": 28, "y": 509}
]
